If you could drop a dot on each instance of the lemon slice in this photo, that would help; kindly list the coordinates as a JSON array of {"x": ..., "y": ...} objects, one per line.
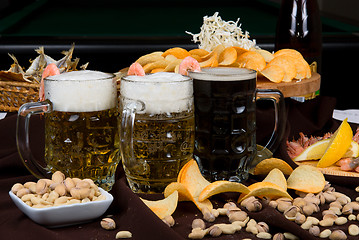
[
  {"x": 338, "y": 145},
  {"x": 314, "y": 151}
]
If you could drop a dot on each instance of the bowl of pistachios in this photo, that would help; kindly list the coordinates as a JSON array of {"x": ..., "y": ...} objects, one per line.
[{"x": 61, "y": 201}]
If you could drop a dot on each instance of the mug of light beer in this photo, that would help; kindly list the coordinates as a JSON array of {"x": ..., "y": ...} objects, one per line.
[
  {"x": 157, "y": 129},
  {"x": 225, "y": 115},
  {"x": 81, "y": 127}
]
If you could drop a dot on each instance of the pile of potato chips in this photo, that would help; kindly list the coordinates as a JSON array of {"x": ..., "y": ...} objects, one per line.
[
  {"x": 192, "y": 186},
  {"x": 281, "y": 66}
]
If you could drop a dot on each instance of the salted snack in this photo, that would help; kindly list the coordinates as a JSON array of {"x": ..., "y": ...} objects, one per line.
[{"x": 57, "y": 191}]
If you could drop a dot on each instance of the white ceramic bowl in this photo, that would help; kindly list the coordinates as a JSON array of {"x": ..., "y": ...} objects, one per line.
[{"x": 65, "y": 215}]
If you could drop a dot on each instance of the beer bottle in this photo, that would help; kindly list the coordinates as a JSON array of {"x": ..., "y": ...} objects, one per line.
[{"x": 299, "y": 27}]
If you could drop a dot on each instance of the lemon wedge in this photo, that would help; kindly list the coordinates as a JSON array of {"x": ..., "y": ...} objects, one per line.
[
  {"x": 353, "y": 150},
  {"x": 314, "y": 151},
  {"x": 338, "y": 145}
]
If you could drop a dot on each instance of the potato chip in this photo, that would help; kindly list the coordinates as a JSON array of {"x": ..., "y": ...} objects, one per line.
[
  {"x": 277, "y": 177},
  {"x": 273, "y": 73},
  {"x": 222, "y": 187},
  {"x": 183, "y": 193},
  {"x": 170, "y": 58},
  {"x": 265, "y": 189},
  {"x": 216, "y": 51},
  {"x": 149, "y": 58},
  {"x": 240, "y": 50},
  {"x": 210, "y": 62},
  {"x": 268, "y": 56},
  {"x": 197, "y": 57},
  {"x": 164, "y": 207},
  {"x": 227, "y": 57},
  {"x": 287, "y": 65},
  {"x": 198, "y": 52},
  {"x": 251, "y": 60},
  {"x": 178, "y": 52},
  {"x": 158, "y": 64},
  {"x": 266, "y": 165},
  {"x": 306, "y": 178},
  {"x": 155, "y": 70},
  {"x": 192, "y": 178},
  {"x": 289, "y": 52},
  {"x": 172, "y": 65}
]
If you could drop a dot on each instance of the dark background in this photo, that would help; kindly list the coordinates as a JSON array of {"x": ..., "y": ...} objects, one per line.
[{"x": 110, "y": 35}]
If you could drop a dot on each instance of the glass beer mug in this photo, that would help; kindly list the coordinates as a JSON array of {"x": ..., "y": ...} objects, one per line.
[
  {"x": 225, "y": 114},
  {"x": 81, "y": 127},
  {"x": 157, "y": 129}
]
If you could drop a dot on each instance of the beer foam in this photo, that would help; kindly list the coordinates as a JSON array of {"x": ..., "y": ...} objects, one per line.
[
  {"x": 223, "y": 74},
  {"x": 161, "y": 92},
  {"x": 81, "y": 91}
]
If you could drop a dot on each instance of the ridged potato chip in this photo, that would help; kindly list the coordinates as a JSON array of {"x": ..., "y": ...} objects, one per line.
[
  {"x": 164, "y": 207},
  {"x": 192, "y": 178},
  {"x": 288, "y": 51},
  {"x": 153, "y": 65},
  {"x": 172, "y": 65},
  {"x": 306, "y": 178},
  {"x": 210, "y": 62},
  {"x": 240, "y": 50},
  {"x": 177, "y": 52},
  {"x": 251, "y": 60}
]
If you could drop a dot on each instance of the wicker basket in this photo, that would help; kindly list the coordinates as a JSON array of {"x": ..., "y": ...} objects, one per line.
[{"x": 13, "y": 94}]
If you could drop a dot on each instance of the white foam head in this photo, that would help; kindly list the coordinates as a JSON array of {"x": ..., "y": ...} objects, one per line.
[
  {"x": 223, "y": 74},
  {"x": 81, "y": 91},
  {"x": 162, "y": 92}
]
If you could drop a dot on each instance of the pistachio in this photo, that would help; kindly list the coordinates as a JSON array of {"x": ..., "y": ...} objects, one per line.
[
  {"x": 347, "y": 209},
  {"x": 325, "y": 233},
  {"x": 69, "y": 184},
  {"x": 336, "y": 204},
  {"x": 338, "y": 235},
  {"x": 60, "y": 189},
  {"x": 247, "y": 200},
  {"x": 291, "y": 213},
  {"x": 300, "y": 218},
  {"x": 253, "y": 206},
  {"x": 215, "y": 231},
  {"x": 262, "y": 227},
  {"x": 108, "y": 224},
  {"x": 229, "y": 205},
  {"x": 123, "y": 234},
  {"x": 329, "y": 197},
  {"x": 208, "y": 215},
  {"x": 314, "y": 230},
  {"x": 336, "y": 210},
  {"x": 169, "y": 221},
  {"x": 299, "y": 202},
  {"x": 198, "y": 223},
  {"x": 21, "y": 192},
  {"x": 273, "y": 204},
  {"x": 80, "y": 193},
  {"x": 353, "y": 230},
  {"x": 278, "y": 236},
  {"x": 327, "y": 222},
  {"x": 83, "y": 184},
  {"x": 41, "y": 186},
  {"x": 282, "y": 206},
  {"x": 58, "y": 177}
]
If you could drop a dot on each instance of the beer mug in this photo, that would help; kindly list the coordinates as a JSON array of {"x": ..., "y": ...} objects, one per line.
[
  {"x": 81, "y": 127},
  {"x": 157, "y": 129},
  {"x": 225, "y": 115}
]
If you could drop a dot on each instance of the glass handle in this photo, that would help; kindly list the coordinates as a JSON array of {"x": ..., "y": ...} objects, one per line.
[
  {"x": 279, "y": 116},
  {"x": 22, "y": 136},
  {"x": 126, "y": 130}
]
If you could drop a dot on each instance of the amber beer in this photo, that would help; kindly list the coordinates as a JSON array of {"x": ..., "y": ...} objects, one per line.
[
  {"x": 161, "y": 139},
  {"x": 225, "y": 142},
  {"x": 81, "y": 133}
]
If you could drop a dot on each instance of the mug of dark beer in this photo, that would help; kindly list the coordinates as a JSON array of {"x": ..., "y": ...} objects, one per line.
[
  {"x": 157, "y": 129},
  {"x": 81, "y": 127},
  {"x": 225, "y": 119}
]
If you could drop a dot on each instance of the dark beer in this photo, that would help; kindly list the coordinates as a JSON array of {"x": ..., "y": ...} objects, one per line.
[{"x": 225, "y": 139}]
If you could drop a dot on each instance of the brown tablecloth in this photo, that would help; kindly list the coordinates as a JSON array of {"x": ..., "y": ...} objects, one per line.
[{"x": 312, "y": 117}]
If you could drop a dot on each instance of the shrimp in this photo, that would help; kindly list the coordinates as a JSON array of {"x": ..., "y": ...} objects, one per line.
[
  {"x": 50, "y": 70},
  {"x": 344, "y": 164},
  {"x": 136, "y": 69},
  {"x": 356, "y": 136},
  {"x": 294, "y": 149},
  {"x": 189, "y": 64}
]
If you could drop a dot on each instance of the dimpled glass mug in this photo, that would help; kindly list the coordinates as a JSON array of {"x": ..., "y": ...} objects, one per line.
[
  {"x": 225, "y": 116},
  {"x": 157, "y": 129},
  {"x": 81, "y": 127}
]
